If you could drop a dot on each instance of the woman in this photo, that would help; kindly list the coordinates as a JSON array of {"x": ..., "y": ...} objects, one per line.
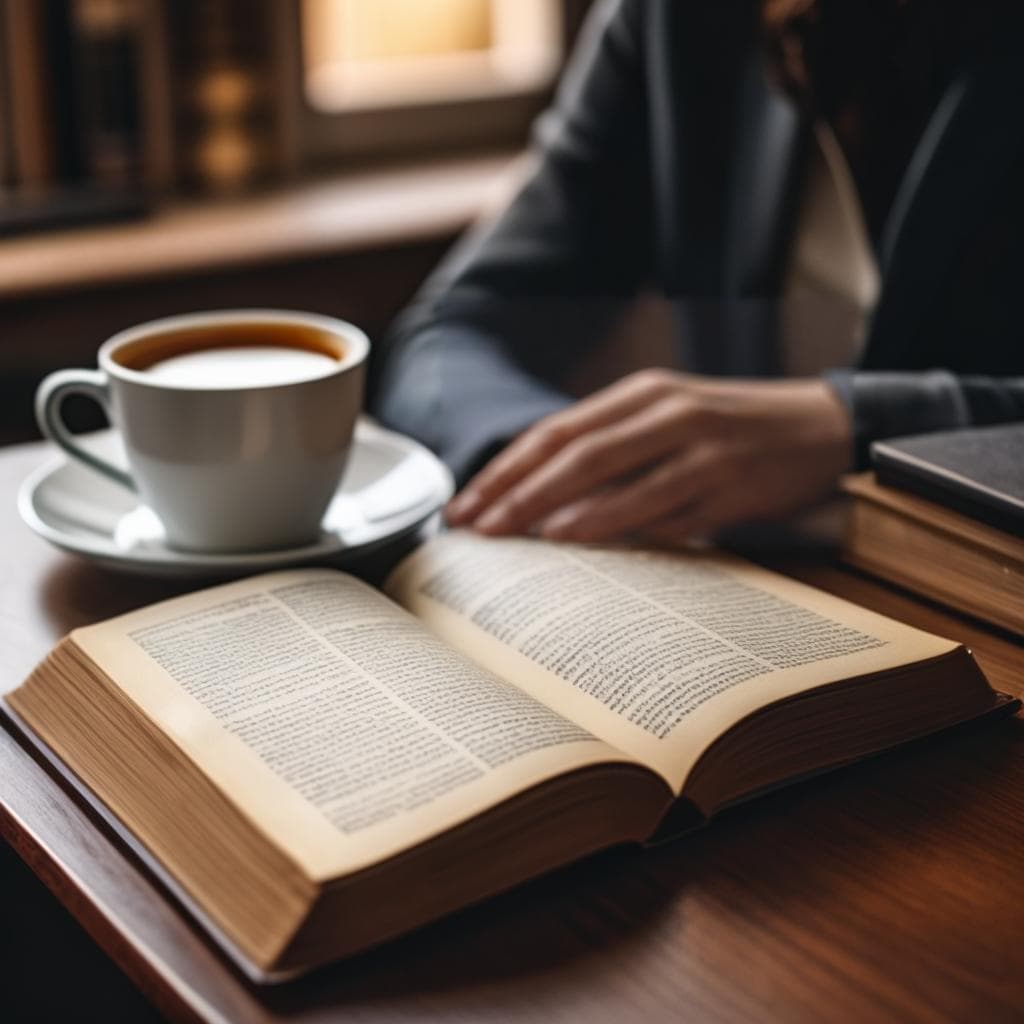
[{"x": 685, "y": 153}]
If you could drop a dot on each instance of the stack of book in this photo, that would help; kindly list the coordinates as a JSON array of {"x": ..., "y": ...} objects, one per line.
[
  {"x": 943, "y": 515},
  {"x": 106, "y": 105},
  {"x": 81, "y": 132}
]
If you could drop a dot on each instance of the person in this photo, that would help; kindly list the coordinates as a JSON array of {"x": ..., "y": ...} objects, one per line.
[{"x": 680, "y": 154}]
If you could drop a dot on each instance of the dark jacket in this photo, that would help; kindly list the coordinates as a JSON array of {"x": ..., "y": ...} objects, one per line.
[{"x": 669, "y": 161}]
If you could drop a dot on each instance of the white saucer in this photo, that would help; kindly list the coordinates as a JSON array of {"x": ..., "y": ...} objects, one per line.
[{"x": 391, "y": 486}]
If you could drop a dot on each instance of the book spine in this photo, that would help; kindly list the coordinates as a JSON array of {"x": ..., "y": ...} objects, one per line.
[
  {"x": 969, "y": 578},
  {"x": 6, "y": 155},
  {"x": 30, "y": 114},
  {"x": 106, "y": 50},
  {"x": 154, "y": 85},
  {"x": 228, "y": 116},
  {"x": 62, "y": 64}
]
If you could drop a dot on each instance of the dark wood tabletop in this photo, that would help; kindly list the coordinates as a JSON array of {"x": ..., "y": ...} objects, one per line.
[{"x": 891, "y": 890}]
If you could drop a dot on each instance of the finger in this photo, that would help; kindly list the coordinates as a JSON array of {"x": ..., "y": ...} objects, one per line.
[
  {"x": 681, "y": 530},
  {"x": 531, "y": 449},
  {"x": 699, "y": 522},
  {"x": 587, "y": 464},
  {"x": 537, "y": 444},
  {"x": 651, "y": 497}
]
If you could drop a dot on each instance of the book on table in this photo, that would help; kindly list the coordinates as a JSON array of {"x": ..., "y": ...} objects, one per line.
[
  {"x": 314, "y": 767},
  {"x": 928, "y": 548},
  {"x": 977, "y": 472},
  {"x": 943, "y": 514}
]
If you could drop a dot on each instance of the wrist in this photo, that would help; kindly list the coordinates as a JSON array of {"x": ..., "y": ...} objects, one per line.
[{"x": 819, "y": 422}]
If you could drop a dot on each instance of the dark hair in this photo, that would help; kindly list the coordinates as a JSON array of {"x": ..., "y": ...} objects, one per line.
[{"x": 784, "y": 24}]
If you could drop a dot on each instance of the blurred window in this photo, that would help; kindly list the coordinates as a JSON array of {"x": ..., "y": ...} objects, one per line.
[{"x": 364, "y": 55}]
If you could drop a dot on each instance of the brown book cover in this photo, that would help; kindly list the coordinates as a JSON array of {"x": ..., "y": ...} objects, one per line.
[
  {"x": 929, "y": 548},
  {"x": 32, "y": 143}
]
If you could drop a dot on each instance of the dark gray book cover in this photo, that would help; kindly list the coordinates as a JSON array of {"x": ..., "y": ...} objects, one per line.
[{"x": 978, "y": 472}]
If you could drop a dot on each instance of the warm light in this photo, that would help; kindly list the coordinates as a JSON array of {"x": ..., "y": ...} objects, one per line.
[
  {"x": 373, "y": 53},
  {"x": 409, "y": 28}
]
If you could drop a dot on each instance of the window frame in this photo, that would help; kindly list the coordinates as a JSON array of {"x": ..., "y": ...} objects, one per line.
[{"x": 319, "y": 139}]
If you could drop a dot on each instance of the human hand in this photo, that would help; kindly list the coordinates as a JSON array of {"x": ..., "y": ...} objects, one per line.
[{"x": 663, "y": 457}]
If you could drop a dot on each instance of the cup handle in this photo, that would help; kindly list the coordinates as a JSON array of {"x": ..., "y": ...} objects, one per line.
[{"x": 49, "y": 397}]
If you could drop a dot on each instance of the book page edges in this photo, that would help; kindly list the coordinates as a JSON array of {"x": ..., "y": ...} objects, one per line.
[
  {"x": 583, "y": 812},
  {"x": 361, "y": 896},
  {"x": 258, "y": 905},
  {"x": 948, "y": 522},
  {"x": 904, "y": 688},
  {"x": 686, "y": 814},
  {"x": 67, "y": 778},
  {"x": 280, "y": 813}
]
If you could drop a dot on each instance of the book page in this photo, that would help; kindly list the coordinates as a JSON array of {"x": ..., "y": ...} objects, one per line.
[
  {"x": 656, "y": 653},
  {"x": 342, "y": 727}
]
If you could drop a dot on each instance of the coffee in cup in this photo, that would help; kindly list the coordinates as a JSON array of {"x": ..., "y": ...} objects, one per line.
[{"x": 236, "y": 424}]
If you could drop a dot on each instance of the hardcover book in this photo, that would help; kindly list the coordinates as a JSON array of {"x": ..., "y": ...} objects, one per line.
[
  {"x": 929, "y": 548},
  {"x": 314, "y": 766},
  {"x": 977, "y": 472}
]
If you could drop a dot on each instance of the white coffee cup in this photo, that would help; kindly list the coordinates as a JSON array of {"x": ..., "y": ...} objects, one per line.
[{"x": 236, "y": 424}]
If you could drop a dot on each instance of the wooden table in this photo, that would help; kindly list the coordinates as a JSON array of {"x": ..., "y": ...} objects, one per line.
[{"x": 890, "y": 890}]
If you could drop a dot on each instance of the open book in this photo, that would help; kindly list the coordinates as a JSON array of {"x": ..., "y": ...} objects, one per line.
[{"x": 314, "y": 767}]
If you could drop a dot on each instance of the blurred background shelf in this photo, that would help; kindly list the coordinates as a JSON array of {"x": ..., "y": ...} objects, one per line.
[{"x": 392, "y": 208}]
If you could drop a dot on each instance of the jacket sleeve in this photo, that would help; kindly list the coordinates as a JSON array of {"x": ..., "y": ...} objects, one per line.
[
  {"x": 892, "y": 404},
  {"x": 482, "y": 351}
]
